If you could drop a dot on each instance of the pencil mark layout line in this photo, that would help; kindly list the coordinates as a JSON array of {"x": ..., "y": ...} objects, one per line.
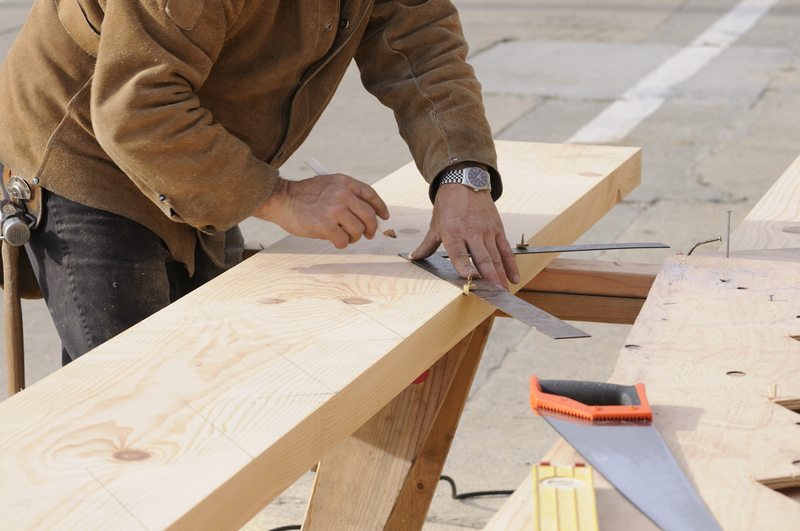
[
  {"x": 384, "y": 325},
  {"x": 215, "y": 427},
  {"x": 115, "y": 498},
  {"x": 305, "y": 372},
  {"x": 620, "y": 118}
]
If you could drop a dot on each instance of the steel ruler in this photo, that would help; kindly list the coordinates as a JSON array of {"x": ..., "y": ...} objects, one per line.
[{"x": 439, "y": 265}]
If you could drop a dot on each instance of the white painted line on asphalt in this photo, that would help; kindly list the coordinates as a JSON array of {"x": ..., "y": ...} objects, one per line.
[{"x": 617, "y": 120}]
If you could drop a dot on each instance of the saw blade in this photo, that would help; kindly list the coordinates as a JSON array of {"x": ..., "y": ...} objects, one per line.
[{"x": 632, "y": 456}]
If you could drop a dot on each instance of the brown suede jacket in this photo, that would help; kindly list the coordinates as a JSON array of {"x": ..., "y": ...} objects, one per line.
[{"x": 178, "y": 113}]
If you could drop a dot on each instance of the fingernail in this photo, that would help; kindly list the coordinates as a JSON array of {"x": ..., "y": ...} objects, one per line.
[
  {"x": 411, "y": 256},
  {"x": 515, "y": 280}
]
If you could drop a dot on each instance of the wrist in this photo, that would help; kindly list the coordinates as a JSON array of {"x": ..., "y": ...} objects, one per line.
[
  {"x": 469, "y": 175},
  {"x": 272, "y": 207}
]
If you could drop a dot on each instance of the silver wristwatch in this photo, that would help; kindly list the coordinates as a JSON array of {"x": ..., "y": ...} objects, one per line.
[{"x": 476, "y": 178}]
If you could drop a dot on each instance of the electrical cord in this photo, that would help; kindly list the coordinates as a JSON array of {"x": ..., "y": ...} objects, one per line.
[
  {"x": 465, "y": 495},
  {"x": 454, "y": 494}
]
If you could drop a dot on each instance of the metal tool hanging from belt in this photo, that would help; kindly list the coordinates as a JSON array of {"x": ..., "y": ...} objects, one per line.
[
  {"x": 439, "y": 265},
  {"x": 20, "y": 211}
]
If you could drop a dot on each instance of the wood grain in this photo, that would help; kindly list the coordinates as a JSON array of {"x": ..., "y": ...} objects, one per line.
[
  {"x": 374, "y": 474},
  {"x": 774, "y": 223},
  {"x": 595, "y": 277},
  {"x": 414, "y": 499},
  {"x": 377, "y": 457},
  {"x": 199, "y": 416},
  {"x": 590, "y": 290},
  {"x": 712, "y": 343},
  {"x": 586, "y": 308},
  {"x": 709, "y": 351}
]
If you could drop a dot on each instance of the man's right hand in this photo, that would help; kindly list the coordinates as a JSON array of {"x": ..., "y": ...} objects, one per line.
[{"x": 333, "y": 207}]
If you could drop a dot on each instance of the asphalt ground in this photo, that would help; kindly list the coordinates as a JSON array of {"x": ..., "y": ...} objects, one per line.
[{"x": 718, "y": 125}]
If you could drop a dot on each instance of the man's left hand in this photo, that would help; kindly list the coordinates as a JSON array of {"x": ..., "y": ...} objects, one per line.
[{"x": 467, "y": 222}]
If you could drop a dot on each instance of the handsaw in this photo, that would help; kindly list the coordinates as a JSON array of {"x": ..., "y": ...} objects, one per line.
[
  {"x": 439, "y": 265},
  {"x": 611, "y": 426}
]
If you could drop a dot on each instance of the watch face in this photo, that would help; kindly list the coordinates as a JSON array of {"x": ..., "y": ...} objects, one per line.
[{"x": 478, "y": 178}]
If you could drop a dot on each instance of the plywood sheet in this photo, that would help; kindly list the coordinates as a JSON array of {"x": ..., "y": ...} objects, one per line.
[{"x": 712, "y": 343}]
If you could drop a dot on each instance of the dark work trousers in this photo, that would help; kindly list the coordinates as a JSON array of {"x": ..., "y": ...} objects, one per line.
[{"x": 101, "y": 273}]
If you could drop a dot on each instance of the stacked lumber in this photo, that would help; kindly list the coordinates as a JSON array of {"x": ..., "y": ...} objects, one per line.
[{"x": 199, "y": 416}]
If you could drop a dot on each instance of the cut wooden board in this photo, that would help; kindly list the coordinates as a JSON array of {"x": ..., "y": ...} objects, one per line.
[
  {"x": 587, "y": 308},
  {"x": 374, "y": 475},
  {"x": 591, "y": 290},
  {"x": 774, "y": 223},
  {"x": 712, "y": 339},
  {"x": 200, "y": 415},
  {"x": 727, "y": 431},
  {"x": 595, "y": 277},
  {"x": 711, "y": 342}
]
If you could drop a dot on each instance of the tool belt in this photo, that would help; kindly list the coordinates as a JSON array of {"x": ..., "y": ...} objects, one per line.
[{"x": 23, "y": 201}]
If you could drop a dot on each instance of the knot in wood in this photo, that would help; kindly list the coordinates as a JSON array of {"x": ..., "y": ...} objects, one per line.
[
  {"x": 131, "y": 455},
  {"x": 270, "y": 301}
]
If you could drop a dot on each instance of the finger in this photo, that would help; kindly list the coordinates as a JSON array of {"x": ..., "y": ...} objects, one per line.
[
  {"x": 368, "y": 194},
  {"x": 509, "y": 260},
  {"x": 459, "y": 256},
  {"x": 486, "y": 264},
  {"x": 427, "y": 247},
  {"x": 353, "y": 226},
  {"x": 365, "y": 214},
  {"x": 338, "y": 237},
  {"x": 497, "y": 261}
]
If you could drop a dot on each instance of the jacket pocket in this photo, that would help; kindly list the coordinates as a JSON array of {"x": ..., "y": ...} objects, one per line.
[{"x": 75, "y": 22}]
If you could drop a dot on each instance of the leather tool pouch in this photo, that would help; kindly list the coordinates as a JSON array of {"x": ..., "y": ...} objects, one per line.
[{"x": 28, "y": 285}]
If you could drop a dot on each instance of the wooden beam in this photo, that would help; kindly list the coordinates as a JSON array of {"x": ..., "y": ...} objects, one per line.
[
  {"x": 590, "y": 290},
  {"x": 411, "y": 506},
  {"x": 714, "y": 347},
  {"x": 595, "y": 277},
  {"x": 343, "y": 495},
  {"x": 378, "y": 456},
  {"x": 587, "y": 308},
  {"x": 202, "y": 414},
  {"x": 774, "y": 223},
  {"x": 709, "y": 354},
  {"x": 594, "y": 291},
  {"x": 718, "y": 417}
]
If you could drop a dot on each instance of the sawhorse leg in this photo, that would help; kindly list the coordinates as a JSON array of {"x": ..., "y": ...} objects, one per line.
[{"x": 383, "y": 477}]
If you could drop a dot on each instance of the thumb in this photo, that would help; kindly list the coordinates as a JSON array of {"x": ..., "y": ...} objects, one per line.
[{"x": 427, "y": 247}]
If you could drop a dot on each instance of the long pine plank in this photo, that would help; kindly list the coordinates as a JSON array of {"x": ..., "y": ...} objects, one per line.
[
  {"x": 202, "y": 414},
  {"x": 774, "y": 223}
]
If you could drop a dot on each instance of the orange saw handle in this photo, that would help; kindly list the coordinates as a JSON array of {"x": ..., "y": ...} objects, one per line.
[{"x": 591, "y": 400}]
